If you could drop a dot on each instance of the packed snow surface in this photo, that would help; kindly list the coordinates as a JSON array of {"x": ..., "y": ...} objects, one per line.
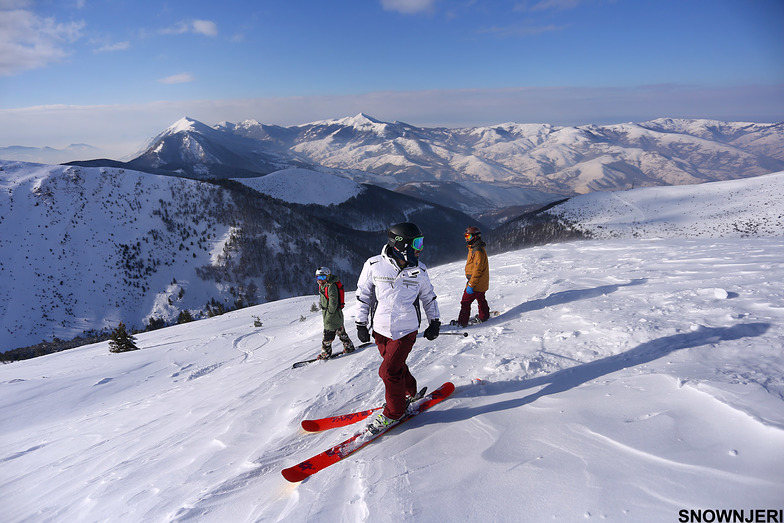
[
  {"x": 622, "y": 380},
  {"x": 304, "y": 186}
]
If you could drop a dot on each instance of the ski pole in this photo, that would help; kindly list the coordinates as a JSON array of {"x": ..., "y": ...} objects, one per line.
[{"x": 454, "y": 334}]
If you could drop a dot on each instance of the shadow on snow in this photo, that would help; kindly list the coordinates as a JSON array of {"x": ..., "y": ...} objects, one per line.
[
  {"x": 573, "y": 377},
  {"x": 560, "y": 298}
]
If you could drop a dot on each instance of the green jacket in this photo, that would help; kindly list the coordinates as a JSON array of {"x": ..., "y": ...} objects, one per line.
[{"x": 330, "y": 308}]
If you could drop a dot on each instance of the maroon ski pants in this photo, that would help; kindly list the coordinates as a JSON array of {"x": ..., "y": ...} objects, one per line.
[
  {"x": 465, "y": 307},
  {"x": 394, "y": 372}
]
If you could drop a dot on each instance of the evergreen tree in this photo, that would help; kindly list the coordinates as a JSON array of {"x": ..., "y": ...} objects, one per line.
[{"x": 121, "y": 341}]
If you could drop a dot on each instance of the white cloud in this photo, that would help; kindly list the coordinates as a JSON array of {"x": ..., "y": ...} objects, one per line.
[
  {"x": 408, "y": 6},
  {"x": 205, "y": 27},
  {"x": 202, "y": 27},
  {"x": 181, "y": 78},
  {"x": 28, "y": 41}
]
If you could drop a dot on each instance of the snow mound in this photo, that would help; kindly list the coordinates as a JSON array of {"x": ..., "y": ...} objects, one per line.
[{"x": 304, "y": 187}]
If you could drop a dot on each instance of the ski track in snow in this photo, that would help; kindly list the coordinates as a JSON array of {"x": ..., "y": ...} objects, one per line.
[{"x": 622, "y": 379}]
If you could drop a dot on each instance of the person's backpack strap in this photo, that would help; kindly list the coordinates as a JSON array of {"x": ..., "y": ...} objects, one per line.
[{"x": 341, "y": 293}]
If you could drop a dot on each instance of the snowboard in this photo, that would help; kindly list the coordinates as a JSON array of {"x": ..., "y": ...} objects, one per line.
[{"x": 332, "y": 357}]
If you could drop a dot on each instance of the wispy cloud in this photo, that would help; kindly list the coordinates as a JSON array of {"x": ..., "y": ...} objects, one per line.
[
  {"x": 408, "y": 6},
  {"x": 202, "y": 27},
  {"x": 561, "y": 5},
  {"x": 555, "y": 5},
  {"x": 13, "y": 4},
  {"x": 28, "y": 41},
  {"x": 182, "y": 78},
  {"x": 521, "y": 30},
  {"x": 119, "y": 46}
]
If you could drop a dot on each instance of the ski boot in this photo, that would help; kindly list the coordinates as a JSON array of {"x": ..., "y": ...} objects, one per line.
[
  {"x": 379, "y": 424},
  {"x": 416, "y": 397}
]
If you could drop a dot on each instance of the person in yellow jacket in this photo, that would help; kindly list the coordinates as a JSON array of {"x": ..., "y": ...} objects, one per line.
[{"x": 477, "y": 271}]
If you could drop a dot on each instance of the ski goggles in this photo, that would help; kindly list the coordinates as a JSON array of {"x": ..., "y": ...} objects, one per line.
[
  {"x": 469, "y": 236},
  {"x": 321, "y": 277},
  {"x": 418, "y": 243}
]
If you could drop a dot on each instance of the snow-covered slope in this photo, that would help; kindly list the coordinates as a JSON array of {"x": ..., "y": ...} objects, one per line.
[
  {"x": 88, "y": 247},
  {"x": 304, "y": 187},
  {"x": 83, "y": 248},
  {"x": 736, "y": 208},
  {"x": 623, "y": 380}
]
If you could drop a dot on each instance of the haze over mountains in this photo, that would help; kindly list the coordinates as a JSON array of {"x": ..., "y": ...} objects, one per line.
[{"x": 48, "y": 155}]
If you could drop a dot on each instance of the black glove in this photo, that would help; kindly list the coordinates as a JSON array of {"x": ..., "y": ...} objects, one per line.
[
  {"x": 362, "y": 333},
  {"x": 432, "y": 331}
]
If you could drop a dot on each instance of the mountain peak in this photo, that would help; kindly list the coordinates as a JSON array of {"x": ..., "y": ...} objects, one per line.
[
  {"x": 364, "y": 119},
  {"x": 360, "y": 120},
  {"x": 186, "y": 124}
]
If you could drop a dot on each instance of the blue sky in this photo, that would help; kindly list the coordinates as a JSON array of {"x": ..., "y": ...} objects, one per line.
[{"x": 71, "y": 71}]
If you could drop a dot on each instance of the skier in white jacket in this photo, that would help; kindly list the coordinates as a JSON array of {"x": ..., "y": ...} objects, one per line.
[{"x": 392, "y": 289}]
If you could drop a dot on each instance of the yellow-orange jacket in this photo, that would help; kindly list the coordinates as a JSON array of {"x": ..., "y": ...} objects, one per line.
[{"x": 477, "y": 269}]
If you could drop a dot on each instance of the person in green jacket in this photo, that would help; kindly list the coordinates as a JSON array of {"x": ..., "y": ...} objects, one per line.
[{"x": 331, "y": 301}]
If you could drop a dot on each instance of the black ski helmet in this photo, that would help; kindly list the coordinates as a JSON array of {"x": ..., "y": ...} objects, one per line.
[{"x": 400, "y": 237}]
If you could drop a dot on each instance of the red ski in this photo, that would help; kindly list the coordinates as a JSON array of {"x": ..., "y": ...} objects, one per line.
[
  {"x": 360, "y": 439},
  {"x": 317, "y": 425},
  {"x": 333, "y": 422}
]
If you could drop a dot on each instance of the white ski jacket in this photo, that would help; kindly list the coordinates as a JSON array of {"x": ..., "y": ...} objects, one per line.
[{"x": 396, "y": 295}]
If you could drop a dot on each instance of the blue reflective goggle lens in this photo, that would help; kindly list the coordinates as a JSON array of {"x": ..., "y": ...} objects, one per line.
[
  {"x": 418, "y": 243},
  {"x": 321, "y": 277}
]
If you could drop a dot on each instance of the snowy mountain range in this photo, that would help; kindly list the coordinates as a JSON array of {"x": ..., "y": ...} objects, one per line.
[
  {"x": 626, "y": 380},
  {"x": 477, "y": 169}
]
